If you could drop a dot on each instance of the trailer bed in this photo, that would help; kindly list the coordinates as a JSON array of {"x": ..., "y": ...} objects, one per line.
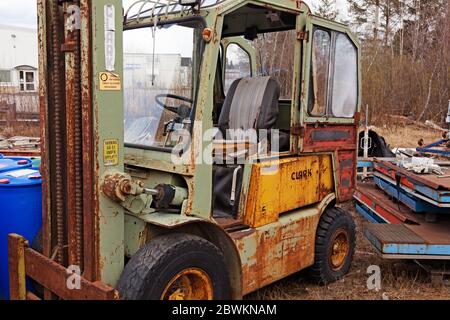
[{"x": 399, "y": 233}]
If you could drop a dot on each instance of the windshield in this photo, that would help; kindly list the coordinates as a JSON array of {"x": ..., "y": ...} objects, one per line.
[{"x": 161, "y": 65}]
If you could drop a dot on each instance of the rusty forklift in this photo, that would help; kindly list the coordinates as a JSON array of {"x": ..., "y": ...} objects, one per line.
[{"x": 148, "y": 192}]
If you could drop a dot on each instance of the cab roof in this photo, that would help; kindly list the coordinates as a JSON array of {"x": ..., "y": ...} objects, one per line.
[{"x": 144, "y": 9}]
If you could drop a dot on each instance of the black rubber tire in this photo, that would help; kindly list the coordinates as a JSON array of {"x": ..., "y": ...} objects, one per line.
[
  {"x": 150, "y": 270},
  {"x": 332, "y": 220}
]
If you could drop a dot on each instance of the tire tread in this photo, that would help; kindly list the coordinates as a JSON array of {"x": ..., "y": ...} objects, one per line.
[
  {"x": 332, "y": 216},
  {"x": 152, "y": 256}
]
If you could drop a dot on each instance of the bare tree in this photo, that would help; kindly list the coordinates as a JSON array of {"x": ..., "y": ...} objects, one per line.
[
  {"x": 327, "y": 9},
  {"x": 406, "y": 58}
]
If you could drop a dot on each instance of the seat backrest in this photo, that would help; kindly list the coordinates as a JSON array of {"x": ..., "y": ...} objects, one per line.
[{"x": 251, "y": 103}]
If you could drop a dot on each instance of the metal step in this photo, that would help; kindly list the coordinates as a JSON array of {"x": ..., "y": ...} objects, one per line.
[
  {"x": 392, "y": 234},
  {"x": 400, "y": 242}
]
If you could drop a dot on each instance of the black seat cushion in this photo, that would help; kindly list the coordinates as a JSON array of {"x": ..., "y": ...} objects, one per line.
[{"x": 268, "y": 110}]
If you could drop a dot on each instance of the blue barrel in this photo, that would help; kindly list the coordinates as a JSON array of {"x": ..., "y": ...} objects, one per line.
[
  {"x": 14, "y": 163},
  {"x": 36, "y": 163},
  {"x": 20, "y": 203}
]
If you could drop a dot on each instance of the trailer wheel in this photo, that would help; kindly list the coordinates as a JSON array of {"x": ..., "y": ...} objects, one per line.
[
  {"x": 335, "y": 246},
  {"x": 176, "y": 267}
]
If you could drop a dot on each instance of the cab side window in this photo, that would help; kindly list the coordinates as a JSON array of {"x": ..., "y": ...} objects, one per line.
[
  {"x": 334, "y": 75},
  {"x": 320, "y": 72},
  {"x": 237, "y": 66},
  {"x": 345, "y": 79}
]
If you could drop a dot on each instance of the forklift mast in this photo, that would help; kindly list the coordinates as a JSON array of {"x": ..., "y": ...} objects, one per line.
[{"x": 82, "y": 132}]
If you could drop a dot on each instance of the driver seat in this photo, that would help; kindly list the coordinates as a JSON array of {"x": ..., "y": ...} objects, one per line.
[{"x": 251, "y": 104}]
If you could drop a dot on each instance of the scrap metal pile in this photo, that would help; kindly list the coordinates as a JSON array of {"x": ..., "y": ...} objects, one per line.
[
  {"x": 438, "y": 148},
  {"x": 420, "y": 185},
  {"x": 20, "y": 146}
]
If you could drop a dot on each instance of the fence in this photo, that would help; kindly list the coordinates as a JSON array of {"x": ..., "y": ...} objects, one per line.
[{"x": 19, "y": 113}]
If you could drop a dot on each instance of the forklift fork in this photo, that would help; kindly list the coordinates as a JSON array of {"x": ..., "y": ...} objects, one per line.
[{"x": 25, "y": 262}]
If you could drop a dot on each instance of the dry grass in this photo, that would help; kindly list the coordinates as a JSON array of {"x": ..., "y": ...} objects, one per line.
[
  {"x": 400, "y": 280},
  {"x": 407, "y": 136}
]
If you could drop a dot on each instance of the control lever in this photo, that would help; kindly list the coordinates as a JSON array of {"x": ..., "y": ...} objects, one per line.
[{"x": 233, "y": 186}]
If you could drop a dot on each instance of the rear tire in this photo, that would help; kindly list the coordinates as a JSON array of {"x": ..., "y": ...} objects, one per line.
[
  {"x": 335, "y": 246},
  {"x": 176, "y": 266}
]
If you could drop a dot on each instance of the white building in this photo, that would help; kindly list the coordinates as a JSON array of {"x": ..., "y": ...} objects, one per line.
[
  {"x": 18, "y": 72},
  {"x": 18, "y": 58},
  {"x": 168, "y": 71}
]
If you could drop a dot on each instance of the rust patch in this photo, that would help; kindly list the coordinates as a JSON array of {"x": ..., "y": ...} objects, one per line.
[
  {"x": 270, "y": 254},
  {"x": 329, "y": 137},
  {"x": 119, "y": 185},
  {"x": 347, "y": 174},
  {"x": 342, "y": 140}
]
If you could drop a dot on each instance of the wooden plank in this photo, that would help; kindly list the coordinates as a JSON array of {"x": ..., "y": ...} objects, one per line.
[{"x": 20, "y": 153}]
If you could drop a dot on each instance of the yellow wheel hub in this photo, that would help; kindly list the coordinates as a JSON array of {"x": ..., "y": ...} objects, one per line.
[
  {"x": 340, "y": 247},
  {"x": 189, "y": 284}
]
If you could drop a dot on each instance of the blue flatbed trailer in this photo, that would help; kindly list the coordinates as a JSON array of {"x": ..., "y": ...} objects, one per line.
[
  {"x": 397, "y": 219},
  {"x": 398, "y": 233}
]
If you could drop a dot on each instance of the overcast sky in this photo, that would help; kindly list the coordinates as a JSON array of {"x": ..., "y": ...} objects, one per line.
[
  {"x": 18, "y": 12},
  {"x": 23, "y": 12}
]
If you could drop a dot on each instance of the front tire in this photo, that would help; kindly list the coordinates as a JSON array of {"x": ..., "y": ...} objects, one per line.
[
  {"x": 176, "y": 266},
  {"x": 335, "y": 246}
]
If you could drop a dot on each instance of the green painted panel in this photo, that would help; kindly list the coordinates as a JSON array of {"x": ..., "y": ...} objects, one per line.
[{"x": 108, "y": 126}]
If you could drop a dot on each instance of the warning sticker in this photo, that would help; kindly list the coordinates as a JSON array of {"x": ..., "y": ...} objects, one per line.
[
  {"x": 111, "y": 152},
  {"x": 110, "y": 81}
]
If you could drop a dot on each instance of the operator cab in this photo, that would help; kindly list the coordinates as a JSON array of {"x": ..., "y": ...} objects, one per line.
[
  {"x": 253, "y": 92},
  {"x": 270, "y": 82},
  {"x": 253, "y": 88}
]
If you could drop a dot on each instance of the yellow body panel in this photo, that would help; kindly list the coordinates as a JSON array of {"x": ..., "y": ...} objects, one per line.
[{"x": 282, "y": 185}]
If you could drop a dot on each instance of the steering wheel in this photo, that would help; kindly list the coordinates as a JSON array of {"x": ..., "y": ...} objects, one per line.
[{"x": 160, "y": 102}]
